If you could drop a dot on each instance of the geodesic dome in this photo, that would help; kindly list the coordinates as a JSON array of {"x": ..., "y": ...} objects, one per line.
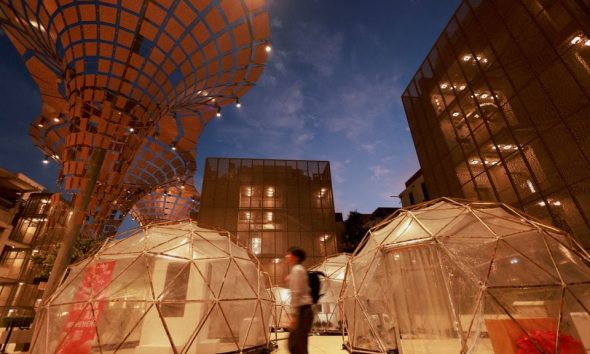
[
  {"x": 282, "y": 307},
  {"x": 452, "y": 276},
  {"x": 175, "y": 288},
  {"x": 327, "y": 315}
]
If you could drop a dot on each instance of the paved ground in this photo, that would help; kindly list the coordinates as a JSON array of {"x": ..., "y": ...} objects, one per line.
[{"x": 317, "y": 344}]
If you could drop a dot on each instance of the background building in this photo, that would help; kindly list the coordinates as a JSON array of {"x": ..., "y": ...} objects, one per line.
[
  {"x": 416, "y": 191},
  {"x": 15, "y": 190},
  {"x": 500, "y": 109},
  {"x": 32, "y": 225},
  {"x": 271, "y": 205}
]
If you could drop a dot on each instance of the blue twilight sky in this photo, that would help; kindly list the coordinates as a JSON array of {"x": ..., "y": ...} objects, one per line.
[{"x": 331, "y": 91}]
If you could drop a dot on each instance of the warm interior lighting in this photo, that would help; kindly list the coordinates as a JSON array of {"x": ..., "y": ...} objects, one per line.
[
  {"x": 256, "y": 245},
  {"x": 269, "y": 216},
  {"x": 40, "y": 125},
  {"x": 173, "y": 146},
  {"x": 484, "y": 95},
  {"x": 248, "y": 191},
  {"x": 557, "y": 203},
  {"x": 455, "y": 114},
  {"x": 466, "y": 57},
  {"x": 529, "y": 183},
  {"x": 444, "y": 86},
  {"x": 587, "y": 43},
  {"x": 276, "y": 260},
  {"x": 462, "y": 87},
  {"x": 268, "y": 48},
  {"x": 270, "y": 191},
  {"x": 56, "y": 119},
  {"x": 474, "y": 162},
  {"x": 576, "y": 40}
]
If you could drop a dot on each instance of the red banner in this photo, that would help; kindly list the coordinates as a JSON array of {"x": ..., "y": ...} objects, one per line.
[{"x": 81, "y": 323}]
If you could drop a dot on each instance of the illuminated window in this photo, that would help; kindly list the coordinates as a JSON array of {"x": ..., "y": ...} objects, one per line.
[{"x": 256, "y": 245}]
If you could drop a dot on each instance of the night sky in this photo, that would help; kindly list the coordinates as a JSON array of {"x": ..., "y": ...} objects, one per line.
[{"x": 330, "y": 91}]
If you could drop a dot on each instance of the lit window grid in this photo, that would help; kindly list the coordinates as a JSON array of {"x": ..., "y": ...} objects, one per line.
[
  {"x": 21, "y": 298},
  {"x": 472, "y": 160},
  {"x": 241, "y": 204}
]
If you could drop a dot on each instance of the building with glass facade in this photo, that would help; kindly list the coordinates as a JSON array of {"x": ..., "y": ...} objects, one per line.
[
  {"x": 271, "y": 205},
  {"x": 31, "y": 227},
  {"x": 500, "y": 109}
]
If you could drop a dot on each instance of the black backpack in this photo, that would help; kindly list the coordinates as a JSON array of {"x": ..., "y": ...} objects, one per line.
[{"x": 315, "y": 285}]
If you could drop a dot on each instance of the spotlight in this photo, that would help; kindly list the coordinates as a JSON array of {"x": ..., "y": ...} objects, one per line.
[
  {"x": 218, "y": 112},
  {"x": 46, "y": 160}
]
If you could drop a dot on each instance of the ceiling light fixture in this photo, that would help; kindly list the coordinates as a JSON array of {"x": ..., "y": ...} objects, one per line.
[{"x": 576, "y": 40}]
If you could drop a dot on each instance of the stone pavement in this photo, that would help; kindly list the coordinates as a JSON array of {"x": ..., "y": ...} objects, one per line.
[{"x": 317, "y": 344}]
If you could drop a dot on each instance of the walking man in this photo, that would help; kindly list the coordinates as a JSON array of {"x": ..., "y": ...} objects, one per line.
[{"x": 301, "y": 312}]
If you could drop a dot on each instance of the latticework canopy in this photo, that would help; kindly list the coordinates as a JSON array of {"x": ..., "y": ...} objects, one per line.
[
  {"x": 451, "y": 276},
  {"x": 128, "y": 86},
  {"x": 175, "y": 288},
  {"x": 327, "y": 315}
]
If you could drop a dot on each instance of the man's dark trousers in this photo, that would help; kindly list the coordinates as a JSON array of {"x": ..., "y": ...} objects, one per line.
[{"x": 298, "y": 338}]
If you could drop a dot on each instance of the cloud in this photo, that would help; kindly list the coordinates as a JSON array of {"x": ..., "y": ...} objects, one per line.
[
  {"x": 362, "y": 105},
  {"x": 337, "y": 169},
  {"x": 276, "y": 23},
  {"x": 316, "y": 46},
  {"x": 379, "y": 171},
  {"x": 367, "y": 147},
  {"x": 276, "y": 122}
]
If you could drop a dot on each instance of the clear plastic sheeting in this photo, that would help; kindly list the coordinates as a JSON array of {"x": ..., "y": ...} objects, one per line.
[
  {"x": 327, "y": 314},
  {"x": 452, "y": 276},
  {"x": 169, "y": 288},
  {"x": 282, "y": 308}
]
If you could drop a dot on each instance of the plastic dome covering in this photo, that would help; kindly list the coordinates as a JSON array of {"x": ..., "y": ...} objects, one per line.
[
  {"x": 282, "y": 314},
  {"x": 327, "y": 314},
  {"x": 453, "y": 276},
  {"x": 175, "y": 288}
]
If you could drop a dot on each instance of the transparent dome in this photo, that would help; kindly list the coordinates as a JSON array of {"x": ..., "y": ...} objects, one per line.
[
  {"x": 452, "y": 276},
  {"x": 327, "y": 315},
  {"x": 175, "y": 288},
  {"x": 282, "y": 314}
]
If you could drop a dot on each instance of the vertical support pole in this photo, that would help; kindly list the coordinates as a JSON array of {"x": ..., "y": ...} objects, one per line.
[
  {"x": 72, "y": 231},
  {"x": 74, "y": 223}
]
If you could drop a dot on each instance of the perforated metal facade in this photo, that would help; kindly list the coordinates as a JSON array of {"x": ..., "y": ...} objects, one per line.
[
  {"x": 272, "y": 205},
  {"x": 499, "y": 109}
]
